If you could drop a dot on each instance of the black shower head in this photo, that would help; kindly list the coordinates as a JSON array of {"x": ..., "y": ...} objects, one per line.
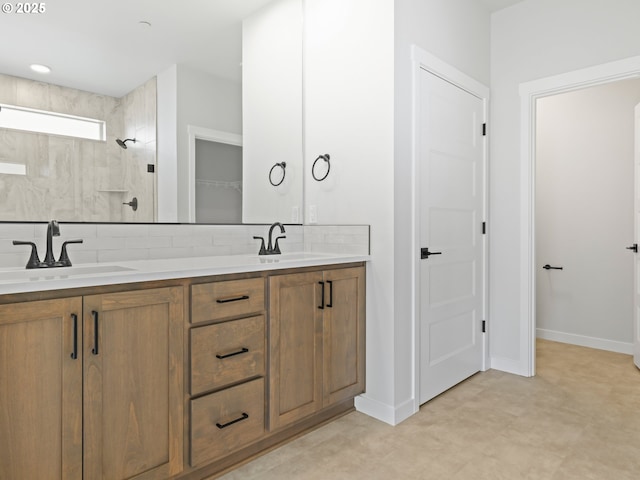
[{"x": 123, "y": 143}]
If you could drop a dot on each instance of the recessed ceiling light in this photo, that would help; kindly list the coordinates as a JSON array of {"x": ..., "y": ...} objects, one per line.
[{"x": 36, "y": 67}]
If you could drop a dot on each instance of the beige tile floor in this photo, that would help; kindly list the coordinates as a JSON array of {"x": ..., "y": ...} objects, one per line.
[{"x": 579, "y": 418}]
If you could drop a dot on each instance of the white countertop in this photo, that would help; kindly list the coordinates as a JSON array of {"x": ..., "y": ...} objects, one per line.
[{"x": 20, "y": 280}]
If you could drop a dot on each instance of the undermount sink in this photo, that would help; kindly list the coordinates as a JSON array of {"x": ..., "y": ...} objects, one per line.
[{"x": 59, "y": 272}]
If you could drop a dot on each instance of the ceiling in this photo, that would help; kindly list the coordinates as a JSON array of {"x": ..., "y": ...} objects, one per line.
[{"x": 101, "y": 46}]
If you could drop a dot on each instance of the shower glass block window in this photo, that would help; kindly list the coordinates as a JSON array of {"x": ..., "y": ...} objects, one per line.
[{"x": 40, "y": 121}]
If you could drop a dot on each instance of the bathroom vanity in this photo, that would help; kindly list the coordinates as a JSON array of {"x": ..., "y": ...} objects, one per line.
[{"x": 175, "y": 369}]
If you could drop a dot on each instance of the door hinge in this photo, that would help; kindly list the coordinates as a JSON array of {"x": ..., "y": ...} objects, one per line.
[
  {"x": 484, "y": 129},
  {"x": 484, "y": 326},
  {"x": 484, "y": 228}
]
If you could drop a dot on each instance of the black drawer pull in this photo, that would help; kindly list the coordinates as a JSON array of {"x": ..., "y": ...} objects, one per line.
[
  {"x": 330, "y": 304},
  {"x": 96, "y": 337},
  {"x": 239, "y": 352},
  {"x": 321, "y": 306},
  {"x": 74, "y": 354},
  {"x": 234, "y": 299},
  {"x": 225, "y": 425}
]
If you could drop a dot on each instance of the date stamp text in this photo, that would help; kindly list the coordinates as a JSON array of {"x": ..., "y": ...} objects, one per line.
[{"x": 20, "y": 8}]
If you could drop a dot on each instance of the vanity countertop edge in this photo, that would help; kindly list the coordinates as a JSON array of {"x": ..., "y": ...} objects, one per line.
[{"x": 20, "y": 280}]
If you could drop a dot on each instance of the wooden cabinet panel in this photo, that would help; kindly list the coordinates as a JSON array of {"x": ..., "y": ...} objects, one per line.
[
  {"x": 316, "y": 342},
  {"x": 133, "y": 384},
  {"x": 295, "y": 347},
  {"x": 40, "y": 391},
  {"x": 344, "y": 340},
  {"x": 227, "y": 420},
  {"x": 218, "y": 300},
  {"x": 226, "y": 353}
]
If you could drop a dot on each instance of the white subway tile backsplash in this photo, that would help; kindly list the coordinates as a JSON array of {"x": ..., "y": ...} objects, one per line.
[
  {"x": 16, "y": 231},
  {"x": 147, "y": 242},
  {"x": 122, "y": 230},
  {"x": 121, "y": 255},
  {"x": 10, "y": 260},
  {"x": 122, "y": 242},
  {"x": 159, "y": 253}
]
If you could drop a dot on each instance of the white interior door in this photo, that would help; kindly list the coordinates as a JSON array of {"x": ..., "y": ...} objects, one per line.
[
  {"x": 450, "y": 210},
  {"x": 636, "y": 265}
]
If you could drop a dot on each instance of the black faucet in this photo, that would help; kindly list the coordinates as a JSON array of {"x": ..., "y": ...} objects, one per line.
[
  {"x": 272, "y": 247},
  {"x": 53, "y": 230}
]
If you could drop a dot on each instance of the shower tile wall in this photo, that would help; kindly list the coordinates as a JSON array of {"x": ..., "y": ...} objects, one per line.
[{"x": 79, "y": 180}]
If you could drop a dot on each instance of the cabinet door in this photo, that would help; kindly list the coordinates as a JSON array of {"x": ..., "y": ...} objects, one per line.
[
  {"x": 133, "y": 424},
  {"x": 344, "y": 340},
  {"x": 295, "y": 347},
  {"x": 41, "y": 390}
]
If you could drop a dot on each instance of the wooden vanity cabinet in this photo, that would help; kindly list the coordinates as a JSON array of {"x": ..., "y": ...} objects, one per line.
[
  {"x": 91, "y": 387},
  {"x": 133, "y": 389},
  {"x": 227, "y": 364},
  {"x": 41, "y": 390},
  {"x": 316, "y": 341},
  {"x": 121, "y": 385}
]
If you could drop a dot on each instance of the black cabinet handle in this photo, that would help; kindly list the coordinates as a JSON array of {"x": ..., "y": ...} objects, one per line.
[
  {"x": 633, "y": 247},
  {"x": 94, "y": 350},
  {"x": 244, "y": 416},
  {"x": 74, "y": 354},
  {"x": 234, "y": 299},
  {"x": 549, "y": 267},
  {"x": 330, "y": 304},
  {"x": 239, "y": 352},
  {"x": 321, "y": 307}
]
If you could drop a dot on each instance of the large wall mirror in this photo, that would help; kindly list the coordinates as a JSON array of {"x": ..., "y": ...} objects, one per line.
[{"x": 197, "y": 108}]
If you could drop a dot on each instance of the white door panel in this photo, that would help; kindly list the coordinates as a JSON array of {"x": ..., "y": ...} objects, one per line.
[{"x": 451, "y": 205}]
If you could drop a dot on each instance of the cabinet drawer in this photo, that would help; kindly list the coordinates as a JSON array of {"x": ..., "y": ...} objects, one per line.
[
  {"x": 226, "y": 421},
  {"x": 217, "y": 300},
  {"x": 225, "y": 353}
]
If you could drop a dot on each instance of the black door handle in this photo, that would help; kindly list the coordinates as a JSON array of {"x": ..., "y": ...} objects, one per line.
[
  {"x": 633, "y": 247},
  {"x": 549, "y": 267},
  {"x": 425, "y": 253}
]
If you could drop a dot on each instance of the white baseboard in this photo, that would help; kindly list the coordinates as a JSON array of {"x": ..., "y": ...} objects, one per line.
[
  {"x": 584, "y": 341},
  {"x": 383, "y": 412},
  {"x": 509, "y": 365}
]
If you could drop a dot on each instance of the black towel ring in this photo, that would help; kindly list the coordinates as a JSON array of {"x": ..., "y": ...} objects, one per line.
[
  {"x": 326, "y": 158},
  {"x": 282, "y": 165}
]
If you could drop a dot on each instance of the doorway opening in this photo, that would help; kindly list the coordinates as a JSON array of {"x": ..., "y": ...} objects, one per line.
[
  {"x": 530, "y": 92},
  {"x": 584, "y": 167},
  {"x": 215, "y": 176}
]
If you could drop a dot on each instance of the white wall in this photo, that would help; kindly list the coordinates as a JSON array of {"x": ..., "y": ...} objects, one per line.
[
  {"x": 349, "y": 115},
  {"x": 204, "y": 101},
  {"x": 272, "y": 112},
  {"x": 531, "y": 40},
  {"x": 357, "y": 81},
  {"x": 584, "y": 215}
]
